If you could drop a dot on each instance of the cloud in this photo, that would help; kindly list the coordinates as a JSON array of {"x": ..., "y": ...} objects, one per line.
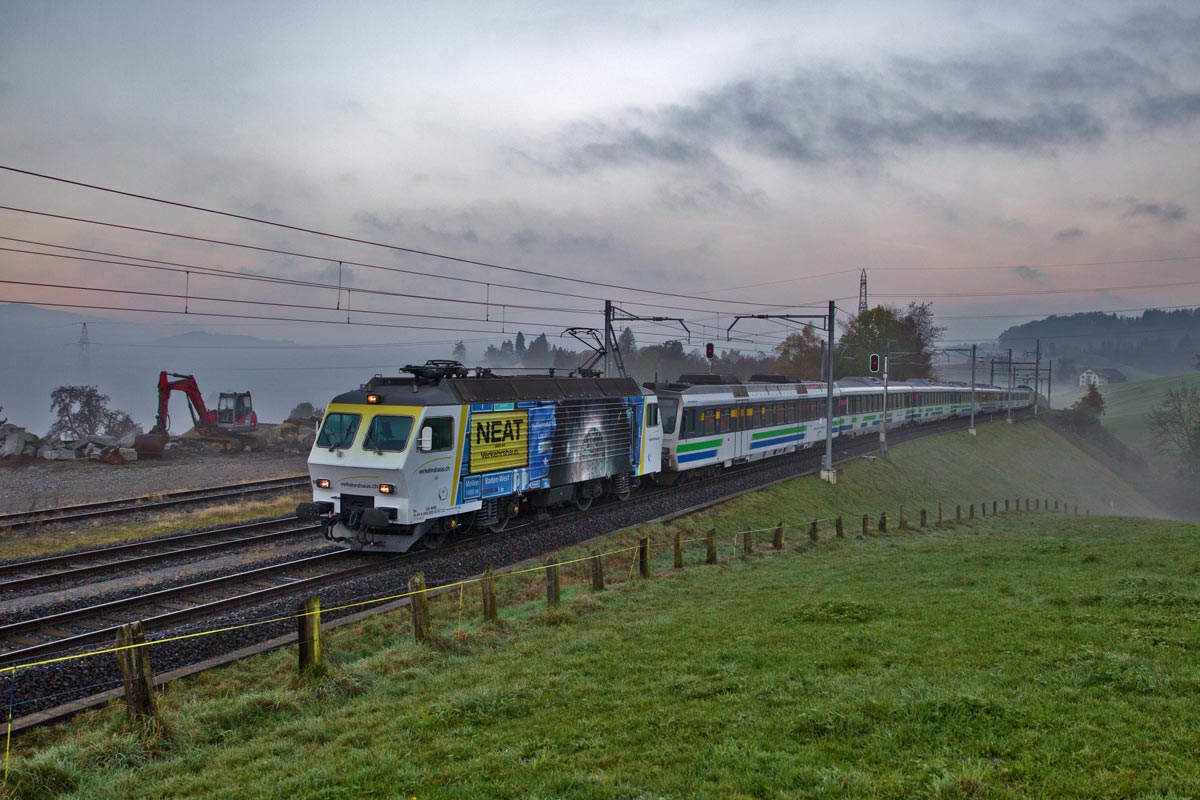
[
  {"x": 1180, "y": 108},
  {"x": 1067, "y": 234},
  {"x": 1028, "y": 273},
  {"x": 862, "y": 118},
  {"x": 1165, "y": 213},
  {"x": 529, "y": 239}
]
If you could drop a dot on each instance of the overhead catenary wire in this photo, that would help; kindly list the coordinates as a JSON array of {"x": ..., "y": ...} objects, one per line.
[{"x": 350, "y": 239}]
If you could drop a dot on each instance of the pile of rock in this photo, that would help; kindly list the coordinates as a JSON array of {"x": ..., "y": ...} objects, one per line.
[{"x": 16, "y": 441}]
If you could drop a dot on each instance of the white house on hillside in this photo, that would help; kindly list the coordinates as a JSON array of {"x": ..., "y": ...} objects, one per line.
[{"x": 1101, "y": 377}]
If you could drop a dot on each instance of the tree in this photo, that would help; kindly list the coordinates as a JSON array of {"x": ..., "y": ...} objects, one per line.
[
  {"x": 82, "y": 411},
  {"x": 1091, "y": 404},
  {"x": 302, "y": 411},
  {"x": 460, "y": 352},
  {"x": 520, "y": 346},
  {"x": 1176, "y": 425},
  {"x": 538, "y": 352},
  {"x": 799, "y": 355},
  {"x": 911, "y": 334},
  {"x": 626, "y": 342}
]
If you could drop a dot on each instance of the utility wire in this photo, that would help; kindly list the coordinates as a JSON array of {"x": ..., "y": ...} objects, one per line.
[
  {"x": 351, "y": 239},
  {"x": 349, "y": 263}
]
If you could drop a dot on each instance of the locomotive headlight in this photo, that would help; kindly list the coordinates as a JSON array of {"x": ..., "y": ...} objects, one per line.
[
  {"x": 321, "y": 483},
  {"x": 387, "y": 488},
  {"x": 373, "y": 399}
]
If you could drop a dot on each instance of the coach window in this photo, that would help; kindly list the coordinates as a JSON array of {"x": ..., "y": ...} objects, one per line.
[
  {"x": 689, "y": 421},
  {"x": 387, "y": 434},
  {"x": 670, "y": 410},
  {"x": 443, "y": 433}
]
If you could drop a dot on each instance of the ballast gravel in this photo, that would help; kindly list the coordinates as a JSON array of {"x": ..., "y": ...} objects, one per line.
[{"x": 35, "y": 484}]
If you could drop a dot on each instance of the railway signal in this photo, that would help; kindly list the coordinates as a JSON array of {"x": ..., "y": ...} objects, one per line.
[
  {"x": 874, "y": 362},
  {"x": 709, "y": 352}
]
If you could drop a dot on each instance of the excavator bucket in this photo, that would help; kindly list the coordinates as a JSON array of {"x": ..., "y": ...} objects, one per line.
[{"x": 150, "y": 445}]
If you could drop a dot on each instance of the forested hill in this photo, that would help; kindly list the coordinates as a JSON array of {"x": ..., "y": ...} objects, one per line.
[{"x": 1162, "y": 342}]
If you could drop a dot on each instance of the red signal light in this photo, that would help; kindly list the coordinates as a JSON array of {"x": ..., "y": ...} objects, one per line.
[{"x": 709, "y": 352}]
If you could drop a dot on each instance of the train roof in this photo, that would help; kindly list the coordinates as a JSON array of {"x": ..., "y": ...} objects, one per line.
[{"x": 487, "y": 389}]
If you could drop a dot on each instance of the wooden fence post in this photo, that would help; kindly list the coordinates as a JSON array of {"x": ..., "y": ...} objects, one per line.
[
  {"x": 971, "y": 511},
  {"x": 812, "y": 532},
  {"x": 1026, "y": 503},
  {"x": 552, "y": 580},
  {"x": 994, "y": 507},
  {"x": 418, "y": 603},
  {"x": 883, "y": 522},
  {"x": 644, "y": 557},
  {"x": 710, "y": 542},
  {"x": 777, "y": 537},
  {"x": 1037, "y": 504},
  {"x": 308, "y": 632},
  {"x": 1056, "y": 505},
  {"x": 903, "y": 524},
  {"x": 939, "y": 512},
  {"x": 597, "y": 572},
  {"x": 1006, "y": 505},
  {"x": 866, "y": 527},
  {"x": 134, "y": 662},
  {"x": 678, "y": 550},
  {"x": 983, "y": 509},
  {"x": 924, "y": 518},
  {"x": 747, "y": 543},
  {"x": 1077, "y": 510},
  {"x": 488, "y": 584},
  {"x": 838, "y": 530},
  {"x": 958, "y": 513}
]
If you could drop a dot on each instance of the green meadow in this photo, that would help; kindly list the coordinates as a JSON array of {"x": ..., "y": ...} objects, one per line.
[{"x": 1021, "y": 655}]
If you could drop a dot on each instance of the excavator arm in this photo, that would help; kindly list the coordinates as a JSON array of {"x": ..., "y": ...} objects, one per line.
[{"x": 203, "y": 419}]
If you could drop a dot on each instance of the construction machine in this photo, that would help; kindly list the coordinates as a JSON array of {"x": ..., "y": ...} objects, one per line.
[{"x": 232, "y": 426}]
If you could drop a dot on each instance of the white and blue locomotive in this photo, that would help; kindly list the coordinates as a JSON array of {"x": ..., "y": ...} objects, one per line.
[{"x": 410, "y": 460}]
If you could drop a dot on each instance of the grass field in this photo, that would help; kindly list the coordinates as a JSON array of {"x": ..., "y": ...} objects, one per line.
[
  {"x": 1031, "y": 655},
  {"x": 1128, "y": 404}
]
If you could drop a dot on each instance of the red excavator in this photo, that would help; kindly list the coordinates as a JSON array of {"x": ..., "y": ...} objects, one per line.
[{"x": 232, "y": 426}]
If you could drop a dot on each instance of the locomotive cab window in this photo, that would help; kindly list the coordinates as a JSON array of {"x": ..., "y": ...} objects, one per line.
[
  {"x": 443, "y": 433},
  {"x": 337, "y": 431},
  {"x": 388, "y": 434},
  {"x": 651, "y": 414}
]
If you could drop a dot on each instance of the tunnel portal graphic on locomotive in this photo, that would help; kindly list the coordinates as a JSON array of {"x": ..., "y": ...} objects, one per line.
[{"x": 551, "y": 443}]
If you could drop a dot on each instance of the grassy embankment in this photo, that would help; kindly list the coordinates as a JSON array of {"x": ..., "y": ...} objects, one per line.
[
  {"x": 1029, "y": 655},
  {"x": 1127, "y": 406}
]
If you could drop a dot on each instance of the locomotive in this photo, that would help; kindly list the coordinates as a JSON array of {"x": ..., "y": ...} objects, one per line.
[{"x": 409, "y": 460}]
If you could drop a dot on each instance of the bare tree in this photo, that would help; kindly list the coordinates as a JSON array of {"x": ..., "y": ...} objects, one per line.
[
  {"x": 1176, "y": 424},
  {"x": 82, "y": 411}
]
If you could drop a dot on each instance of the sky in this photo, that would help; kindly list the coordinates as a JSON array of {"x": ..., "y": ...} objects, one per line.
[{"x": 1003, "y": 161}]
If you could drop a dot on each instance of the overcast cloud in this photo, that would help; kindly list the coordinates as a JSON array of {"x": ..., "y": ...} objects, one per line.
[{"x": 690, "y": 148}]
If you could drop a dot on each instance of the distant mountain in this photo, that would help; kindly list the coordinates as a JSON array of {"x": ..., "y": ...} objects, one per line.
[{"x": 218, "y": 340}]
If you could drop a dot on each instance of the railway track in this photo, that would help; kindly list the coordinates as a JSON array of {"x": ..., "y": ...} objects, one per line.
[
  {"x": 165, "y": 611},
  {"x": 40, "y": 572},
  {"x": 89, "y": 512},
  {"x": 59, "y": 633}
]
